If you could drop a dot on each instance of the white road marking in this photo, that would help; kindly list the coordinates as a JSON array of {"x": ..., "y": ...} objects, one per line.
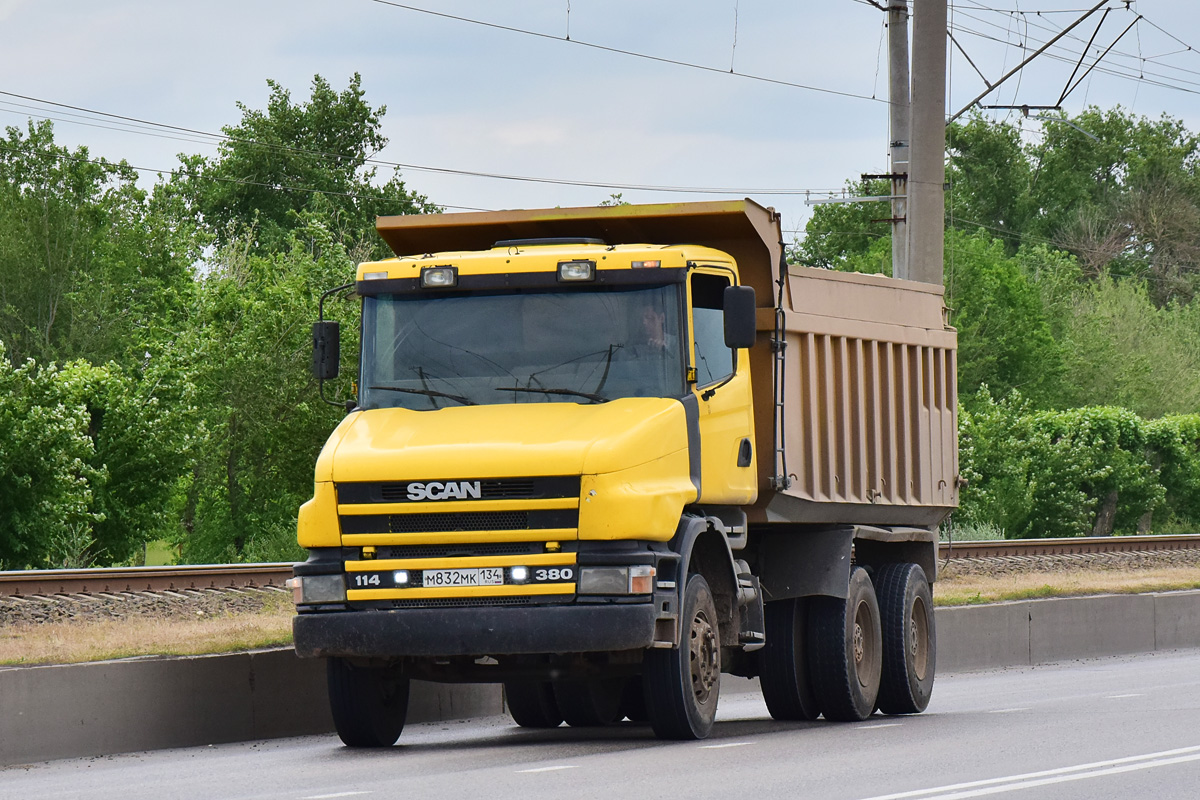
[
  {"x": 335, "y": 794},
  {"x": 550, "y": 769},
  {"x": 1008, "y": 710},
  {"x": 880, "y": 725},
  {"x": 727, "y": 744},
  {"x": 1120, "y": 696},
  {"x": 1096, "y": 769}
]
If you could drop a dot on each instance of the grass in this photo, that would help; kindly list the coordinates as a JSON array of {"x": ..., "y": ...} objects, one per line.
[
  {"x": 75, "y": 641},
  {"x": 954, "y": 590},
  {"x": 71, "y": 642}
]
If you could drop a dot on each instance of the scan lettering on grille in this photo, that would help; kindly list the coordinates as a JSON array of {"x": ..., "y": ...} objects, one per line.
[{"x": 449, "y": 490}]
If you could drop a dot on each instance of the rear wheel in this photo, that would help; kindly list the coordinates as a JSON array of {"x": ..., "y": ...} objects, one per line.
[
  {"x": 846, "y": 650},
  {"x": 784, "y": 672},
  {"x": 633, "y": 701},
  {"x": 682, "y": 684},
  {"x": 532, "y": 704},
  {"x": 909, "y": 639},
  {"x": 587, "y": 704},
  {"x": 369, "y": 704}
]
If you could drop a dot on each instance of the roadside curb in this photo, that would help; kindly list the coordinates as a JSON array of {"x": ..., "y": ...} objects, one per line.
[{"x": 75, "y": 710}]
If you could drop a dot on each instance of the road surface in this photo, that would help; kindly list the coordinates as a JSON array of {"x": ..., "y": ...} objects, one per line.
[{"x": 1117, "y": 727}]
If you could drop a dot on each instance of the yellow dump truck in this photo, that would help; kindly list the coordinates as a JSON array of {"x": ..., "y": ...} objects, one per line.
[{"x": 604, "y": 455}]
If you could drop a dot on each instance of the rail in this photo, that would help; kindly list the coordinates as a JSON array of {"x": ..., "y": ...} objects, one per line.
[{"x": 117, "y": 580}]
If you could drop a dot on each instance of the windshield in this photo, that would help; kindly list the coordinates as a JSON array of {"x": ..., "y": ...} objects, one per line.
[{"x": 426, "y": 352}]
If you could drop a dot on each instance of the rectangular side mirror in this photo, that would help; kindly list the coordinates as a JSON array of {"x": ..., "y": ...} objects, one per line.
[
  {"x": 327, "y": 350},
  {"x": 740, "y": 326}
]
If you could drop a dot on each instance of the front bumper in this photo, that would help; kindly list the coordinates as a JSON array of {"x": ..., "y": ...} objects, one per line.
[{"x": 475, "y": 631}]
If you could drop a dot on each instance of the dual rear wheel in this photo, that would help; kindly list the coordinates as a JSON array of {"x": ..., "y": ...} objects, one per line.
[{"x": 845, "y": 658}]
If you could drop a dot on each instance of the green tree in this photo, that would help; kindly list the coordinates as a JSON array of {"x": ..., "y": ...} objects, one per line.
[
  {"x": 1004, "y": 336},
  {"x": 293, "y": 158},
  {"x": 90, "y": 265},
  {"x": 248, "y": 348},
  {"x": 990, "y": 176},
  {"x": 46, "y": 476},
  {"x": 837, "y": 232}
]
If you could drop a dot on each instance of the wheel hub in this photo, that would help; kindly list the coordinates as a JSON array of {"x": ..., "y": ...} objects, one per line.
[{"x": 704, "y": 657}]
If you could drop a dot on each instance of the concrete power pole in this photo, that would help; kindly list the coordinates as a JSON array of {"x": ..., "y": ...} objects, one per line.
[
  {"x": 927, "y": 173},
  {"x": 898, "y": 81}
]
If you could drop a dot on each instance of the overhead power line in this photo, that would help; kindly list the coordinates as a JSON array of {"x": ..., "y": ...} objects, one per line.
[
  {"x": 217, "y": 138},
  {"x": 624, "y": 52}
]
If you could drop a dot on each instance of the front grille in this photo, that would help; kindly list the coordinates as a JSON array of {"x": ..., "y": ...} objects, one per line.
[
  {"x": 459, "y": 550},
  {"x": 449, "y": 521},
  {"x": 478, "y": 521},
  {"x": 490, "y": 489}
]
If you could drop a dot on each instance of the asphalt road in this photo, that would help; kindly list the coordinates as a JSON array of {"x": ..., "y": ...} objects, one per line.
[{"x": 1105, "y": 728}]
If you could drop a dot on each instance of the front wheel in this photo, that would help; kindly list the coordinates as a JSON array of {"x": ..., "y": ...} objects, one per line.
[
  {"x": 682, "y": 684},
  {"x": 369, "y": 704}
]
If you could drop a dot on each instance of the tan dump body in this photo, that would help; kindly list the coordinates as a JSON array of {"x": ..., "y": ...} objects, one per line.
[{"x": 868, "y": 411}]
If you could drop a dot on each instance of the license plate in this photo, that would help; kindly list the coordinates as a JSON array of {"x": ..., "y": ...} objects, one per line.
[{"x": 484, "y": 576}]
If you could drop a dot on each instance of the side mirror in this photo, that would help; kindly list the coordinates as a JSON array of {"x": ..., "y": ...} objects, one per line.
[
  {"x": 327, "y": 350},
  {"x": 740, "y": 326}
]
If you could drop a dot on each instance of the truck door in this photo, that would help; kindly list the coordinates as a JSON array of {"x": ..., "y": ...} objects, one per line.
[{"x": 722, "y": 386}]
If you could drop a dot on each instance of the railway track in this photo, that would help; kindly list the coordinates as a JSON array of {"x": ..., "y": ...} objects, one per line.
[{"x": 127, "y": 580}]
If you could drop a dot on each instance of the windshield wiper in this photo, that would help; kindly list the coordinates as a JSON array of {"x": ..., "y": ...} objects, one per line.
[
  {"x": 427, "y": 393},
  {"x": 595, "y": 398}
]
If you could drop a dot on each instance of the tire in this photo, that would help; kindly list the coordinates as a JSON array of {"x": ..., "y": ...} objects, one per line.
[
  {"x": 532, "y": 704},
  {"x": 909, "y": 639},
  {"x": 589, "y": 704},
  {"x": 369, "y": 704},
  {"x": 845, "y": 653},
  {"x": 783, "y": 662},
  {"x": 682, "y": 684}
]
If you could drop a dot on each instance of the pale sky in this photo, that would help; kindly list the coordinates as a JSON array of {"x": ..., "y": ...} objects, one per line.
[{"x": 463, "y": 96}]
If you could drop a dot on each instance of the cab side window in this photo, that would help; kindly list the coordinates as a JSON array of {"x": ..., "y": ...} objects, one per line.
[{"x": 714, "y": 361}]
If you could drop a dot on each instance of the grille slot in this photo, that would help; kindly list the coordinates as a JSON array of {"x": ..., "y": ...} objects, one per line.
[
  {"x": 477, "y": 521},
  {"x": 458, "y": 550},
  {"x": 459, "y": 521},
  {"x": 463, "y": 602}
]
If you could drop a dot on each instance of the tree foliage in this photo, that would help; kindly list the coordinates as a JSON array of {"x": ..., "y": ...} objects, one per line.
[
  {"x": 248, "y": 349},
  {"x": 291, "y": 158}
]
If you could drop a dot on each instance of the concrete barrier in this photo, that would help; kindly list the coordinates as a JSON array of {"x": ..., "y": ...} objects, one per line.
[{"x": 67, "y": 711}]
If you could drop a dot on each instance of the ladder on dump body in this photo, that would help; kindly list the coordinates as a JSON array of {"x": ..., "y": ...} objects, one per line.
[{"x": 780, "y": 480}]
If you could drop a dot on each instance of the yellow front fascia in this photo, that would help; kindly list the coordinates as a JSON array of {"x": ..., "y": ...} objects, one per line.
[
  {"x": 643, "y": 502},
  {"x": 317, "y": 525}
]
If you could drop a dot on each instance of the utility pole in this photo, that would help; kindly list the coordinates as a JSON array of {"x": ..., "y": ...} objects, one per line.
[
  {"x": 927, "y": 172},
  {"x": 897, "y": 11}
]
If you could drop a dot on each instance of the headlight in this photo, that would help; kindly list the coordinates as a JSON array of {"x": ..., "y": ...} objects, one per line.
[
  {"x": 616, "y": 580},
  {"x": 317, "y": 589}
]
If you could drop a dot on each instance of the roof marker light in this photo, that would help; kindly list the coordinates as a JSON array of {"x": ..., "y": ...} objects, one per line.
[
  {"x": 577, "y": 270},
  {"x": 439, "y": 277}
]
